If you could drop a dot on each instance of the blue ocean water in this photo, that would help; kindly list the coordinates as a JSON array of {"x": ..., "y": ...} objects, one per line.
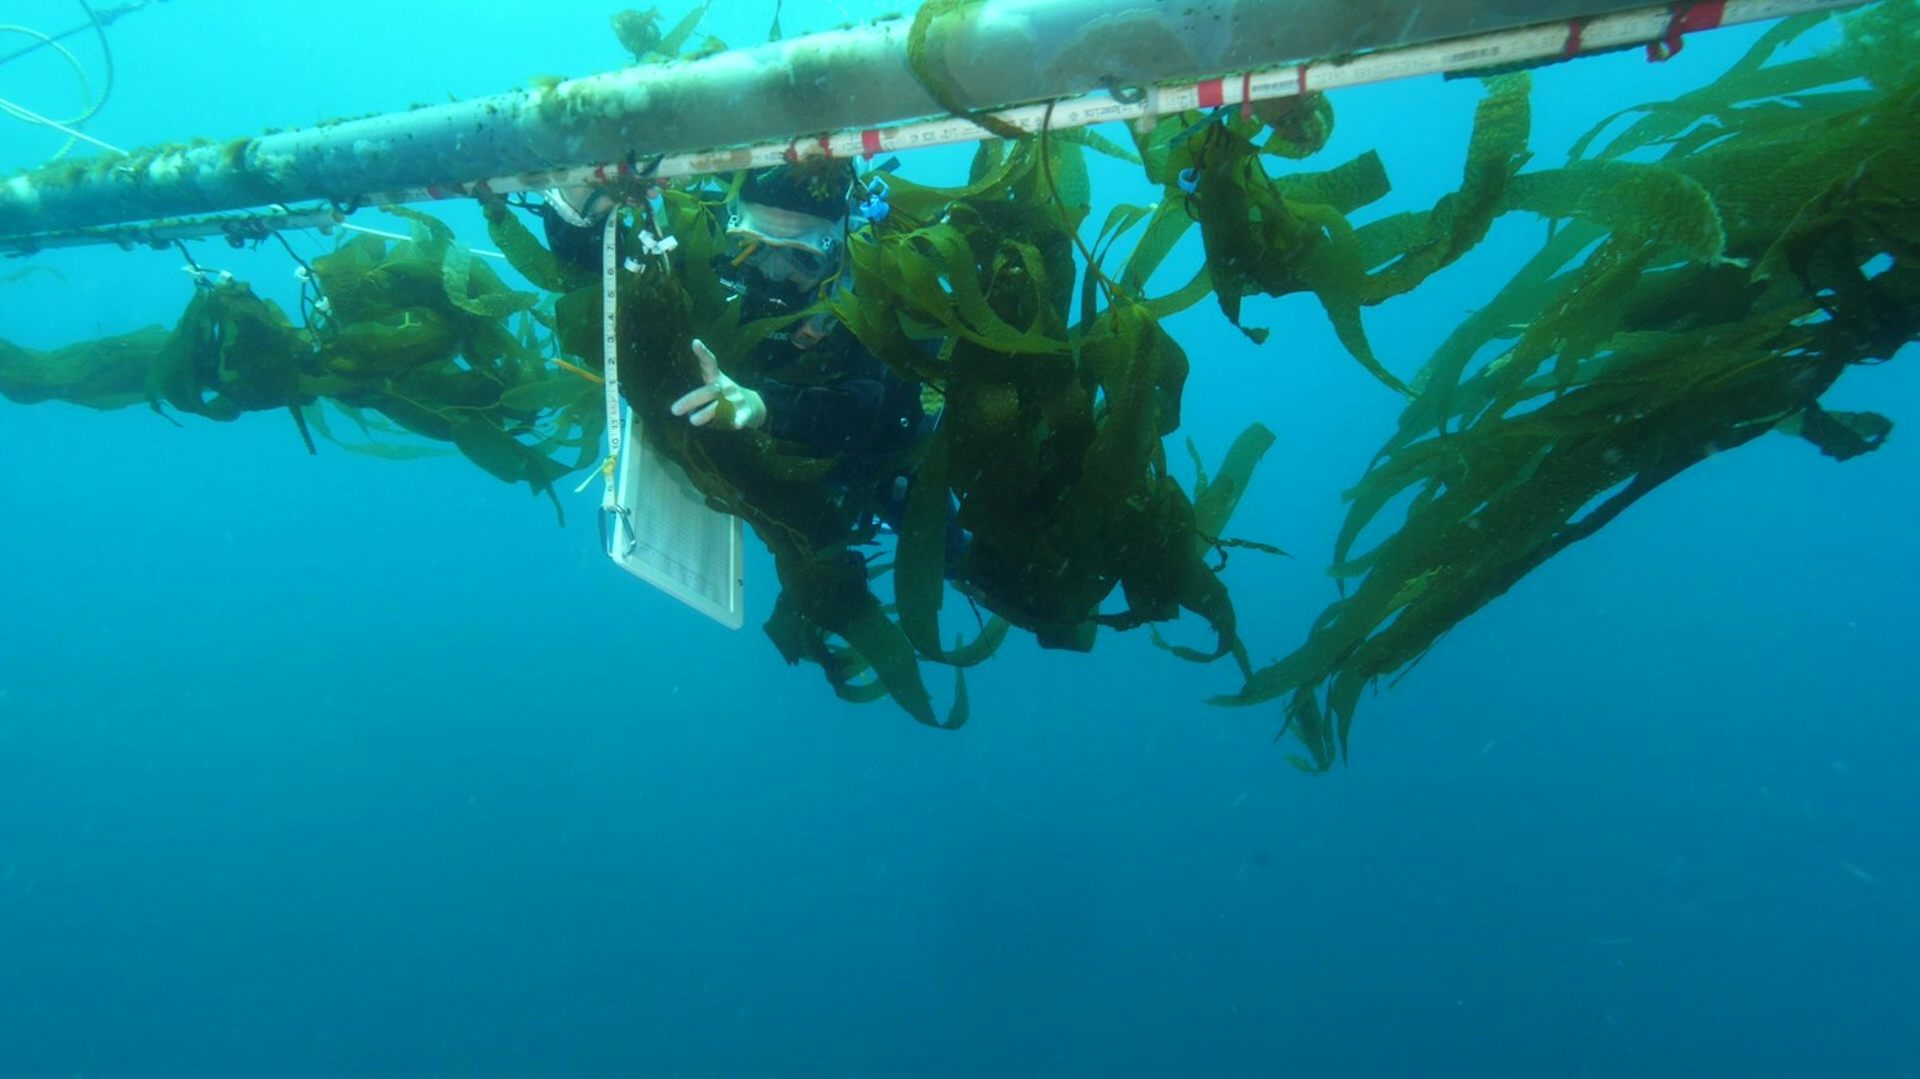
[{"x": 342, "y": 766}]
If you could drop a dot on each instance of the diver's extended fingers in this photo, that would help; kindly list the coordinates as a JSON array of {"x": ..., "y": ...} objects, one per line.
[
  {"x": 709, "y": 367},
  {"x": 688, "y": 402},
  {"x": 704, "y": 416}
]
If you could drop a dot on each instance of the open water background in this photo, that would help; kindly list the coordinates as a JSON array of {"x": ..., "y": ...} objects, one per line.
[{"x": 342, "y": 766}]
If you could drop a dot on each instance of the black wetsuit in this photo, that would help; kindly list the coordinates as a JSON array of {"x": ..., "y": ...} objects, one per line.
[{"x": 862, "y": 406}]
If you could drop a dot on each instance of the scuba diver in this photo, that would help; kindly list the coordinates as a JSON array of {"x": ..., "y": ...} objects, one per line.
[{"x": 814, "y": 383}]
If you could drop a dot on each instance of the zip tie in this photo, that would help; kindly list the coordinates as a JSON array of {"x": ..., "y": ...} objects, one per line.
[
  {"x": 1151, "y": 115},
  {"x": 205, "y": 278},
  {"x": 605, "y": 467}
]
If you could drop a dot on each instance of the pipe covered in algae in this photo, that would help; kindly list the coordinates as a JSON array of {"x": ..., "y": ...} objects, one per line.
[{"x": 982, "y": 54}]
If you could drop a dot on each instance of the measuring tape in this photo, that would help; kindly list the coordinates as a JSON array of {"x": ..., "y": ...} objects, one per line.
[
  {"x": 658, "y": 246},
  {"x": 610, "y": 356}
]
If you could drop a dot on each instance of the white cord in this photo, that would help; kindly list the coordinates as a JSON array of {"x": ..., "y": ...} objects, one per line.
[
  {"x": 68, "y": 125},
  {"x": 396, "y": 236},
  {"x": 21, "y": 112}
]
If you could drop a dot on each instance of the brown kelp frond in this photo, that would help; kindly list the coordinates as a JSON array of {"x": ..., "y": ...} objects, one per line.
[{"x": 1685, "y": 306}]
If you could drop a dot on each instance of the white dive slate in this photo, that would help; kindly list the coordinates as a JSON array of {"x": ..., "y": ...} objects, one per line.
[{"x": 666, "y": 535}]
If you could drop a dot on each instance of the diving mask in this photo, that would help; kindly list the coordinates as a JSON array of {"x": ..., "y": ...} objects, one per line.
[{"x": 782, "y": 245}]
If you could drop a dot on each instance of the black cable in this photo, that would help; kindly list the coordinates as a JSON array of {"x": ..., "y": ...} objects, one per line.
[{"x": 310, "y": 291}]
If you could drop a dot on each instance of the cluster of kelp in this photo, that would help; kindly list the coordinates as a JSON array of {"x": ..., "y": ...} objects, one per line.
[
  {"x": 1711, "y": 269},
  {"x": 1049, "y": 438},
  {"x": 1715, "y": 265},
  {"x": 414, "y": 337}
]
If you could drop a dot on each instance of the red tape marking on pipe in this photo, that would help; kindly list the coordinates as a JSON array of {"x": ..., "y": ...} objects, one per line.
[
  {"x": 1246, "y": 95},
  {"x": 1575, "y": 31},
  {"x": 870, "y": 142},
  {"x": 1687, "y": 19},
  {"x": 1213, "y": 93},
  {"x": 1707, "y": 16}
]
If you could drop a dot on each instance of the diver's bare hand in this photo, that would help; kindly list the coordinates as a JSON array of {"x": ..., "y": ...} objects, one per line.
[{"x": 721, "y": 401}]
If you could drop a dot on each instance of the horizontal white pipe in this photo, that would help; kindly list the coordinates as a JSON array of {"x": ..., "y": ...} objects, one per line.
[
  {"x": 995, "y": 53},
  {"x": 1567, "y": 38}
]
